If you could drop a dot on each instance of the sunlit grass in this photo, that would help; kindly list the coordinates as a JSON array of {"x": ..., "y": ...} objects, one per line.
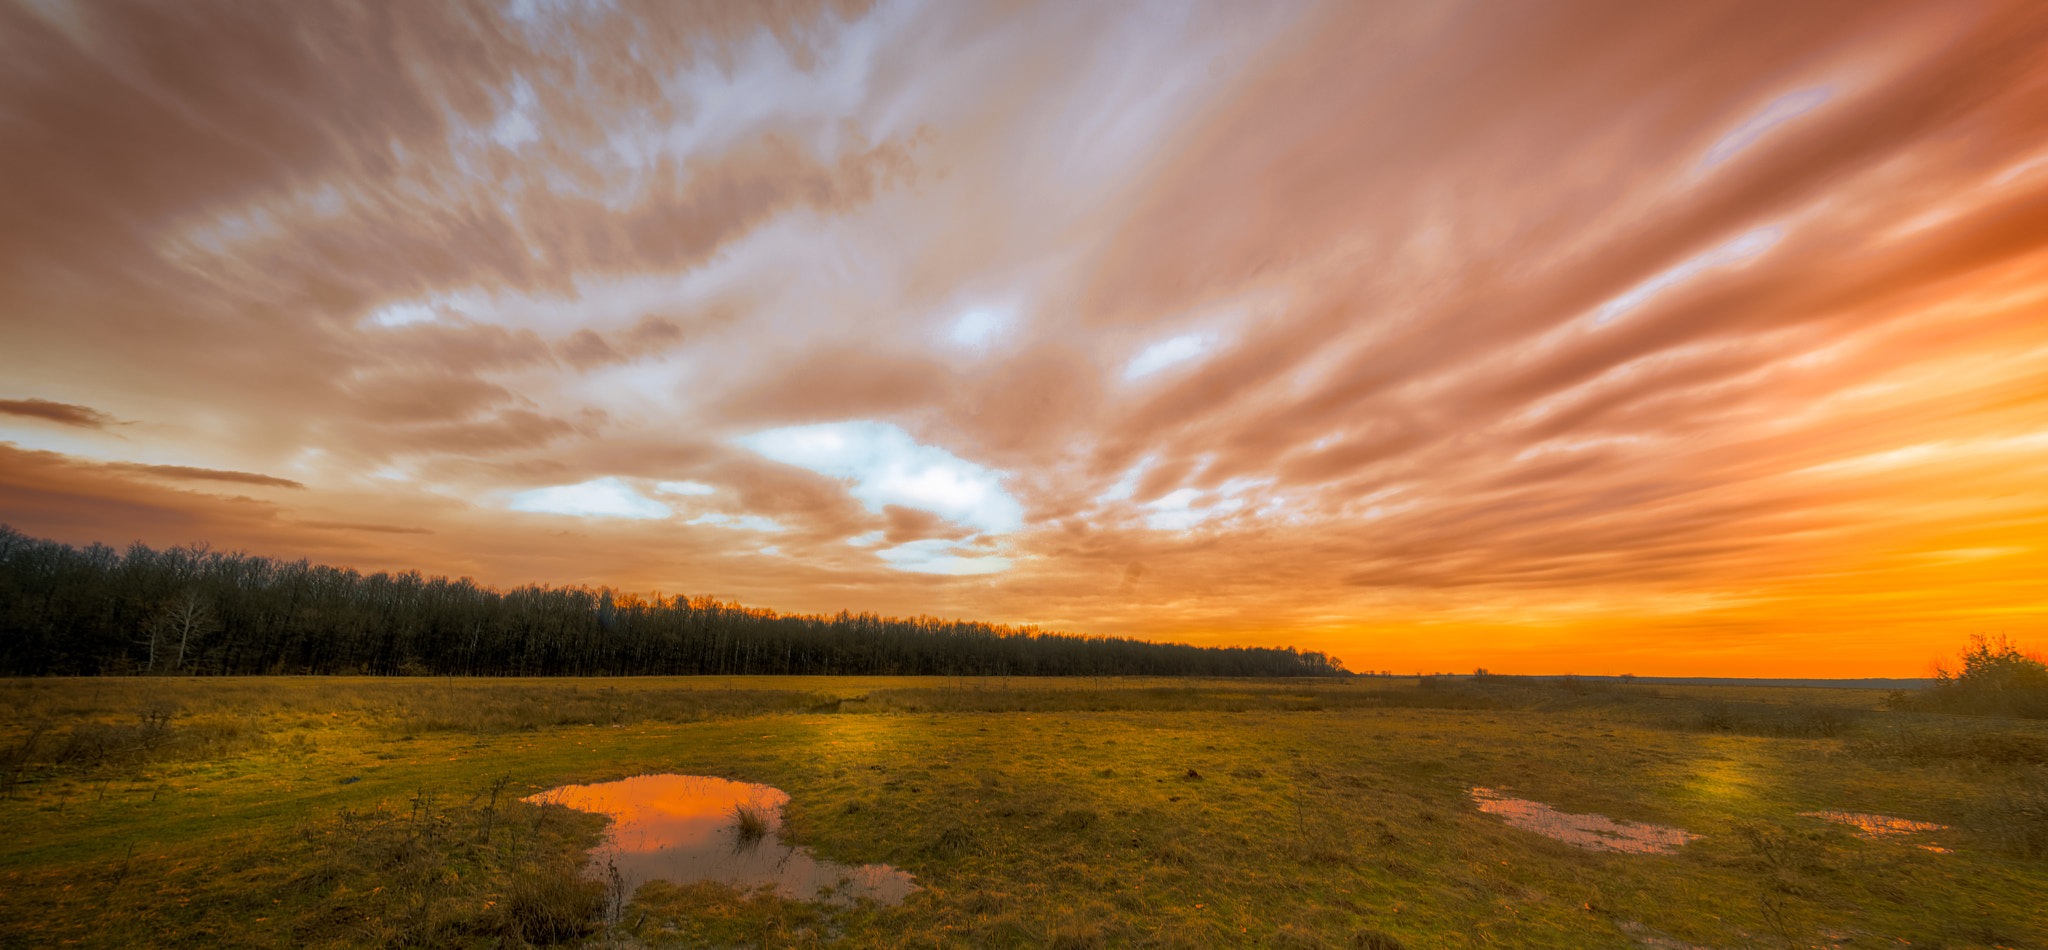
[{"x": 1072, "y": 813}]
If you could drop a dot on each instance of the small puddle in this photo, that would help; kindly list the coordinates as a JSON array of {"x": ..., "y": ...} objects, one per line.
[
  {"x": 1591, "y": 832},
  {"x": 1873, "y": 827},
  {"x": 685, "y": 828}
]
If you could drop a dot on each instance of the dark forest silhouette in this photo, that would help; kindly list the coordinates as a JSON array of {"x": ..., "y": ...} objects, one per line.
[{"x": 191, "y": 610}]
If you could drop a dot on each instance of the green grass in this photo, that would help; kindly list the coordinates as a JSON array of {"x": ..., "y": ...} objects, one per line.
[{"x": 319, "y": 812}]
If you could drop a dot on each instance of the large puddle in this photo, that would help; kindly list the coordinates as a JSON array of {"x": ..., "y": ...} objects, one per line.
[
  {"x": 1873, "y": 827},
  {"x": 1591, "y": 832},
  {"x": 687, "y": 828}
]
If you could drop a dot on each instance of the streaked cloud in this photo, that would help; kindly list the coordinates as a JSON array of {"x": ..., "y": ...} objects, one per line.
[
  {"x": 941, "y": 557},
  {"x": 1780, "y": 110},
  {"x": 62, "y": 413},
  {"x": 190, "y": 473},
  {"x": 1737, "y": 251},
  {"x": 600, "y": 497},
  {"x": 744, "y": 522},
  {"x": 1166, "y": 353},
  {"x": 886, "y": 467},
  {"x": 1610, "y": 336}
]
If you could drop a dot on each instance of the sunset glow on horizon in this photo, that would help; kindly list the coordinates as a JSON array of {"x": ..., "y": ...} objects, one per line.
[{"x": 1601, "y": 337}]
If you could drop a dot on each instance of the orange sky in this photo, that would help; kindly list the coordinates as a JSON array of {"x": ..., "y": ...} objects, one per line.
[{"x": 1696, "y": 339}]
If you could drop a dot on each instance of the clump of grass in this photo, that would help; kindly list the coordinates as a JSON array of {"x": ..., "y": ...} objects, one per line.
[
  {"x": 1805, "y": 720},
  {"x": 750, "y": 822},
  {"x": 552, "y": 902},
  {"x": 1369, "y": 939},
  {"x": 1075, "y": 820},
  {"x": 715, "y": 914},
  {"x": 430, "y": 872},
  {"x": 1979, "y": 746},
  {"x": 955, "y": 841},
  {"x": 2015, "y": 818}
]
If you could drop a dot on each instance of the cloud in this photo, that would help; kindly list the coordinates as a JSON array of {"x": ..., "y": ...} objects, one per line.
[
  {"x": 1740, "y": 250},
  {"x": 743, "y": 522},
  {"x": 978, "y": 326},
  {"x": 601, "y": 497},
  {"x": 356, "y": 526},
  {"x": 841, "y": 384},
  {"x": 940, "y": 557},
  {"x": 1467, "y": 335},
  {"x": 584, "y": 349},
  {"x": 1178, "y": 510},
  {"x": 911, "y": 524},
  {"x": 189, "y": 473},
  {"x": 886, "y": 467},
  {"x": 62, "y": 413},
  {"x": 1166, "y": 353},
  {"x": 1780, "y": 110}
]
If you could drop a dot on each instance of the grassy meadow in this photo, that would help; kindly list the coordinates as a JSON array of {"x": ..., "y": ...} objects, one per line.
[{"x": 335, "y": 812}]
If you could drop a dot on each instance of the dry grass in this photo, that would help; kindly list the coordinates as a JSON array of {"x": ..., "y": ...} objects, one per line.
[
  {"x": 1142, "y": 814},
  {"x": 750, "y": 822}
]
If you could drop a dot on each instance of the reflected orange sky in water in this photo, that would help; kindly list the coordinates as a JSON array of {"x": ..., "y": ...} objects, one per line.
[{"x": 1597, "y": 337}]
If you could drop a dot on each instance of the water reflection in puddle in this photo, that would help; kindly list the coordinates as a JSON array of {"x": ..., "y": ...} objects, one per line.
[
  {"x": 1872, "y": 827},
  {"x": 1592, "y": 832},
  {"x": 683, "y": 828}
]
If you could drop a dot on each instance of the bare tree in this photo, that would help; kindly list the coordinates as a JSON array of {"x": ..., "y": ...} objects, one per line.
[{"x": 187, "y": 614}]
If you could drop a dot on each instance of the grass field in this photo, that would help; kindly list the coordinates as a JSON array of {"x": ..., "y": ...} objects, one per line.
[{"x": 1068, "y": 813}]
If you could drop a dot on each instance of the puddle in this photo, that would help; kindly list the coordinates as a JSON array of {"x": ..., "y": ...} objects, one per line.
[
  {"x": 682, "y": 829},
  {"x": 1873, "y": 827},
  {"x": 1591, "y": 832}
]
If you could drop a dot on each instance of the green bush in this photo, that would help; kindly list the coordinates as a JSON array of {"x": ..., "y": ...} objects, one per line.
[{"x": 1997, "y": 679}]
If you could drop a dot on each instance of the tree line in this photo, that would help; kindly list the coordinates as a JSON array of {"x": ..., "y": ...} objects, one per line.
[{"x": 194, "y": 611}]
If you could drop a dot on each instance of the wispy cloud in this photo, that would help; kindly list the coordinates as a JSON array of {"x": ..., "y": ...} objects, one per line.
[
  {"x": 1463, "y": 335},
  {"x": 62, "y": 413},
  {"x": 189, "y": 473}
]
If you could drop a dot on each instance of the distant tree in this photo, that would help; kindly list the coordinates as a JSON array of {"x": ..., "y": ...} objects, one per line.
[
  {"x": 183, "y": 617},
  {"x": 1996, "y": 678},
  {"x": 66, "y": 610}
]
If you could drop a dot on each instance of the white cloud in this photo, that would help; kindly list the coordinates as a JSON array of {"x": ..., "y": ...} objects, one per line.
[
  {"x": 1174, "y": 511},
  {"x": 1128, "y": 484},
  {"x": 867, "y": 540},
  {"x": 515, "y": 125},
  {"x": 401, "y": 314},
  {"x": 606, "y": 497},
  {"x": 1740, "y": 250},
  {"x": 1165, "y": 353},
  {"x": 978, "y": 326},
  {"x": 934, "y": 556},
  {"x": 1781, "y": 110},
  {"x": 684, "y": 488},
  {"x": 1177, "y": 511},
  {"x": 747, "y": 522},
  {"x": 887, "y": 467}
]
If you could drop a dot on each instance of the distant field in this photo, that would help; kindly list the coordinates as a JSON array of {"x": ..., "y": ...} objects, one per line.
[{"x": 1070, "y": 812}]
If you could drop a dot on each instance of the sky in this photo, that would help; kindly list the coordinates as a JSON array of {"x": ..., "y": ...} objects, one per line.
[{"x": 1595, "y": 337}]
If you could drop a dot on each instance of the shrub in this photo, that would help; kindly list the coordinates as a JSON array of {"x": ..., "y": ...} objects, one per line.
[
  {"x": 1997, "y": 678},
  {"x": 1794, "y": 720}
]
